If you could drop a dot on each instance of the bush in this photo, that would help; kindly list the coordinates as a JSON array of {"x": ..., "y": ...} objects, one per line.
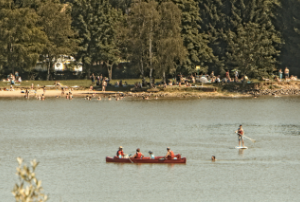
[{"x": 29, "y": 188}]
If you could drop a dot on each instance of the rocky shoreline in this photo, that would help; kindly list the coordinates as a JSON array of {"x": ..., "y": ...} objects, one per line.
[{"x": 273, "y": 92}]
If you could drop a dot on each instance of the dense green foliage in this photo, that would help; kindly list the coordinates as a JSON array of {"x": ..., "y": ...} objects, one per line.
[
  {"x": 160, "y": 38},
  {"x": 154, "y": 38}
]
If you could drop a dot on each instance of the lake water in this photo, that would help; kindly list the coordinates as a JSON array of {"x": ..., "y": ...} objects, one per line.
[{"x": 71, "y": 139}]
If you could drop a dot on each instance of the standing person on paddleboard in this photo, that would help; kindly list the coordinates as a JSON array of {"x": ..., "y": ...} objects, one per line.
[{"x": 240, "y": 133}]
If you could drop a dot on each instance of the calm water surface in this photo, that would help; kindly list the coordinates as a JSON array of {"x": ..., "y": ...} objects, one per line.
[{"x": 70, "y": 139}]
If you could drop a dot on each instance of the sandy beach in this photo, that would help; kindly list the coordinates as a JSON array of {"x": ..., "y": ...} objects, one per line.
[{"x": 52, "y": 93}]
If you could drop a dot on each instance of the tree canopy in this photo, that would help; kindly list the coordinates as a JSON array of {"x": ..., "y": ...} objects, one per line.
[{"x": 159, "y": 37}]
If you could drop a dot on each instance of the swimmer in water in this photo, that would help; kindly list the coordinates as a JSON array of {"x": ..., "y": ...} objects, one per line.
[
  {"x": 213, "y": 158},
  {"x": 43, "y": 97}
]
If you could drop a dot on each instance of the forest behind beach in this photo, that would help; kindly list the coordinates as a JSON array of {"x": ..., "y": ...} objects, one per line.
[{"x": 153, "y": 39}]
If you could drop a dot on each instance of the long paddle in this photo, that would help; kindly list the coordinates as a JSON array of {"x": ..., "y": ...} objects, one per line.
[
  {"x": 130, "y": 159},
  {"x": 252, "y": 140}
]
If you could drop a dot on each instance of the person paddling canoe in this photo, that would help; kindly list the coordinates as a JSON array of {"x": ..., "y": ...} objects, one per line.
[
  {"x": 120, "y": 152},
  {"x": 240, "y": 133},
  {"x": 170, "y": 154},
  {"x": 138, "y": 154}
]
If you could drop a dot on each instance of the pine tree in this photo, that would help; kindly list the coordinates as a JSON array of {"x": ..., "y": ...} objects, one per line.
[
  {"x": 253, "y": 41},
  {"x": 288, "y": 21},
  {"x": 215, "y": 20},
  {"x": 94, "y": 21}
]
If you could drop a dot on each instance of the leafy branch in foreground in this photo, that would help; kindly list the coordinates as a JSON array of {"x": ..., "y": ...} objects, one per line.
[{"x": 29, "y": 188}]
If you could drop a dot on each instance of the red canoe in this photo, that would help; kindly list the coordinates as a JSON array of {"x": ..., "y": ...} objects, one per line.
[{"x": 158, "y": 159}]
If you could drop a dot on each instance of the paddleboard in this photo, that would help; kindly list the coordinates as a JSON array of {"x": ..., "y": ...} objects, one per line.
[{"x": 238, "y": 147}]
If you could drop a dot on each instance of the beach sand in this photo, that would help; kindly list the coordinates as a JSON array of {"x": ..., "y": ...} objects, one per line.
[{"x": 53, "y": 93}]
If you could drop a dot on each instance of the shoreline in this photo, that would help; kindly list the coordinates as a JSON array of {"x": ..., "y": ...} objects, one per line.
[
  {"x": 173, "y": 92},
  {"x": 142, "y": 95}
]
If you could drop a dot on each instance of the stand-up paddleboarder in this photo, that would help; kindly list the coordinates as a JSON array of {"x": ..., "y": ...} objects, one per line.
[{"x": 240, "y": 133}]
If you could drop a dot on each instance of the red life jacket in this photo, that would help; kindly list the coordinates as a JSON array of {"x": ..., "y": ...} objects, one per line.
[
  {"x": 138, "y": 155},
  {"x": 120, "y": 153},
  {"x": 240, "y": 132},
  {"x": 171, "y": 154}
]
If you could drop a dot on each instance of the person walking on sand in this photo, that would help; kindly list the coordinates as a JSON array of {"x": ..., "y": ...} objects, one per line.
[
  {"x": 286, "y": 73},
  {"x": 240, "y": 133}
]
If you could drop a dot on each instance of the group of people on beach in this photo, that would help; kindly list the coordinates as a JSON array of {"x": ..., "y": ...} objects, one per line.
[
  {"x": 13, "y": 78},
  {"x": 286, "y": 75},
  {"x": 104, "y": 81},
  {"x": 138, "y": 155}
]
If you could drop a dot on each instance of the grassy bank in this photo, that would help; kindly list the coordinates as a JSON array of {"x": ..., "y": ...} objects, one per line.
[{"x": 81, "y": 83}]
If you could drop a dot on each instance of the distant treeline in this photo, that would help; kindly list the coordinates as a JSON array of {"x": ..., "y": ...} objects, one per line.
[{"x": 159, "y": 38}]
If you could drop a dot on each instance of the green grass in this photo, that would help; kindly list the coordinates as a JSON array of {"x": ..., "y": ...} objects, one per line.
[{"x": 82, "y": 83}]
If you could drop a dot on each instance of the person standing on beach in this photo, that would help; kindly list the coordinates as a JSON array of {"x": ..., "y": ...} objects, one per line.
[
  {"x": 103, "y": 85},
  {"x": 240, "y": 133},
  {"x": 280, "y": 74},
  {"x": 286, "y": 73},
  {"x": 227, "y": 75},
  {"x": 236, "y": 75},
  {"x": 93, "y": 78}
]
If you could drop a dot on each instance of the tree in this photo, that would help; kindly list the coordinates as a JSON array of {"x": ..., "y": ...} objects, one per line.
[
  {"x": 154, "y": 37},
  {"x": 29, "y": 187},
  {"x": 288, "y": 22},
  {"x": 142, "y": 25},
  {"x": 56, "y": 21},
  {"x": 21, "y": 39},
  {"x": 253, "y": 41},
  {"x": 170, "y": 50},
  {"x": 215, "y": 15},
  {"x": 194, "y": 39},
  {"x": 94, "y": 22}
]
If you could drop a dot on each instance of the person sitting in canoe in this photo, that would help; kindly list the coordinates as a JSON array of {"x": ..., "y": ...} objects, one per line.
[
  {"x": 120, "y": 152},
  {"x": 170, "y": 154},
  {"x": 151, "y": 155},
  {"x": 138, "y": 154}
]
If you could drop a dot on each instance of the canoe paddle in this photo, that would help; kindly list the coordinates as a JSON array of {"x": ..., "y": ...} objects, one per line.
[{"x": 130, "y": 159}]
